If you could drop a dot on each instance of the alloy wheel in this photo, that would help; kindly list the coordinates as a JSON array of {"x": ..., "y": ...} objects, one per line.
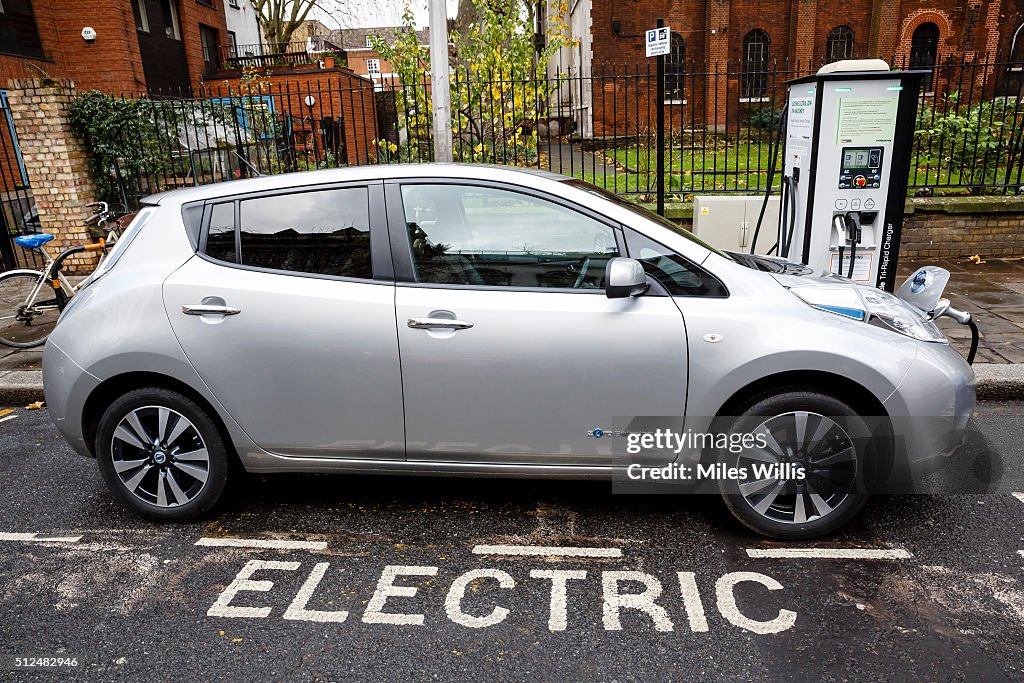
[
  {"x": 807, "y": 440},
  {"x": 159, "y": 456}
]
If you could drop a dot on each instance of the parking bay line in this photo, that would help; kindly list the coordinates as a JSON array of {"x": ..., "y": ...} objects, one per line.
[
  {"x": 1019, "y": 496},
  {"x": 829, "y": 553},
  {"x": 545, "y": 551},
  {"x": 37, "y": 538},
  {"x": 271, "y": 544}
]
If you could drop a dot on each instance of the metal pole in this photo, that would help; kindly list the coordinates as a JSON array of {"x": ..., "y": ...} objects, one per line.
[
  {"x": 440, "y": 94},
  {"x": 660, "y": 137}
]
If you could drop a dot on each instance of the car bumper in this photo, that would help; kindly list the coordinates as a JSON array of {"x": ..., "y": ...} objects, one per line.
[
  {"x": 66, "y": 387},
  {"x": 930, "y": 411}
]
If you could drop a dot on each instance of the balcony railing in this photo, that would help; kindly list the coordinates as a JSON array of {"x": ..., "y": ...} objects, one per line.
[{"x": 262, "y": 55}]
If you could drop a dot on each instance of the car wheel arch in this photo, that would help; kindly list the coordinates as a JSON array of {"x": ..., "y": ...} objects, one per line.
[{"x": 108, "y": 390}]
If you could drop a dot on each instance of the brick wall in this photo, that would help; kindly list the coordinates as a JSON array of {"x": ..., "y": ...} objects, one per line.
[
  {"x": 56, "y": 163},
  {"x": 338, "y": 93}
]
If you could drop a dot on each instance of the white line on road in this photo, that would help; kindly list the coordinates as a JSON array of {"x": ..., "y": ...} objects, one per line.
[
  {"x": 545, "y": 551},
  {"x": 1019, "y": 496},
  {"x": 261, "y": 543},
  {"x": 37, "y": 538},
  {"x": 9, "y": 417},
  {"x": 829, "y": 553}
]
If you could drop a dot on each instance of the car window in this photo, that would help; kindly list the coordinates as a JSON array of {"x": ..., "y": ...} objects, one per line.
[
  {"x": 220, "y": 240},
  {"x": 324, "y": 232},
  {"x": 469, "y": 235},
  {"x": 675, "y": 273}
]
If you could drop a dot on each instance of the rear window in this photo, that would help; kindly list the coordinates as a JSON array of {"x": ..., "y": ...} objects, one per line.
[{"x": 321, "y": 232}]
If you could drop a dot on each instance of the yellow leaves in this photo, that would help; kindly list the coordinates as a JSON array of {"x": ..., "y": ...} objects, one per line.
[
  {"x": 36, "y": 405},
  {"x": 478, "y": 148},
  {"x": 976, "y": 259}
]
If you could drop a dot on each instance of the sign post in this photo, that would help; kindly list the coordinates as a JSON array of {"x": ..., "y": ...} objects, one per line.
[
  {"x": 658, "y": 44},
  {"x": 440, "y": 92}
]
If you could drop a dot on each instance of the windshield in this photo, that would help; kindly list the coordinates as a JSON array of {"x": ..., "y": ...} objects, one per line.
[{"x": 641, "y": 211}]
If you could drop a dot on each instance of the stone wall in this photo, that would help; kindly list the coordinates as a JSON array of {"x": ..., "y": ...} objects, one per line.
[{"x": 56, "y": 163}]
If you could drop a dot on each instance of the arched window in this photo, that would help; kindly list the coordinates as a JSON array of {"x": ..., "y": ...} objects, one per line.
[
  {"x": 755, "y": 63},
  {"x": 924, "y": 48},
  {"x": 675, "y": 68},
  {"x": 839, "y": 44}
]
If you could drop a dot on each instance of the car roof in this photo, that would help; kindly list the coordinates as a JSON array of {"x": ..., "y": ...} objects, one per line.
[{"x": 530, "y": 177}]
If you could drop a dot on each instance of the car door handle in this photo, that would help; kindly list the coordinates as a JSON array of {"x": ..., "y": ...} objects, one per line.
[
  {"x": 438, "y": 323},
  {"x": 208, "y": 309}
]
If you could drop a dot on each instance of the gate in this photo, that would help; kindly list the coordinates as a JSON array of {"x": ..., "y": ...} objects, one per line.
[{"x": 17, "y": 207}]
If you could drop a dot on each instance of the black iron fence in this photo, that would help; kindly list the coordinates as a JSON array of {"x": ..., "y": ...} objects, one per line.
[{"x": 720, "y": 122}]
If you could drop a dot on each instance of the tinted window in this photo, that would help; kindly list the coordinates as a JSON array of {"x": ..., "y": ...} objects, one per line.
[
  {"x": 325, "y": 232},
  {"x": 675, "y": 273},
  {"x": 483, "y": 236},
  {"x": 220, "y": 240}
]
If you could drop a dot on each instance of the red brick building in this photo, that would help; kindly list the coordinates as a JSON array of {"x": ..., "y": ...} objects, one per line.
[
  {"x": 725, "y": 52},
  {"x": 133, "y": 45}
]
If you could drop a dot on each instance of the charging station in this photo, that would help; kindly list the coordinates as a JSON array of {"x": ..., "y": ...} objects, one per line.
[{"x": 849, "y": 131}]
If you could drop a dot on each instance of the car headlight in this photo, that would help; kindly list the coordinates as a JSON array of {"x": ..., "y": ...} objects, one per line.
[{"x": 873, "y": 306}]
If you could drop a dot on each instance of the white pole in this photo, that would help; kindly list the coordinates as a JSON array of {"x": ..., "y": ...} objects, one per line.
[{"x": 440, "y": 94}]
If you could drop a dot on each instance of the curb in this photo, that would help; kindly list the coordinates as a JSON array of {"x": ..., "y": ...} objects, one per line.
[{"x": 996, "y": 382}]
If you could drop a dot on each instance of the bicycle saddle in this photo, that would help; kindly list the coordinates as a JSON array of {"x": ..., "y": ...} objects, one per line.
[{"x": 33, "y": 241}]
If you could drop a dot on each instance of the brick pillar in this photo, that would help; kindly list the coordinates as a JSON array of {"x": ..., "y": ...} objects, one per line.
[
  {"x": 716, "y": 41},
  {"x": 57, "y": 165},
  {"x": 885, "y": 26},
  {"x": 804, "y": 33}
]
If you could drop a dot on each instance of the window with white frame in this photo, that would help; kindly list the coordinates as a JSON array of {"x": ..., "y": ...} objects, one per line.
[
  {"x": 369, "y": 40},
  {"x": 373, "y": 67}
]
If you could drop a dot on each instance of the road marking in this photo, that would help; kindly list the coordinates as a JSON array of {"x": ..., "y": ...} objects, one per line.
[
  {"x": 37, "y": 538},
  {"x": 545, "y": 551},
  {"x": 261, "y": 543},
  {"x": 9, "y": 417},
  {"x": 830, "y": 553},
  {"x": 1019, "y": 496}
]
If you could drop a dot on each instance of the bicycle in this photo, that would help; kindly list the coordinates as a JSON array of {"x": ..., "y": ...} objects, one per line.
[{"x": 26, "y": 319}]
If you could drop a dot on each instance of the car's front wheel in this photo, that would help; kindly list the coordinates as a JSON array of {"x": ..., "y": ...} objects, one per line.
[
  {"x": 808, "y": 478},
  {"x": 161, "y": 454}
]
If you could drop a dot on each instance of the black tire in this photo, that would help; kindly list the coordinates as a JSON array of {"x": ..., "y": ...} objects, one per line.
[
  {"x": 14, "y": 290},
  {"x": 116, "y": 455},
  {"x": 834, "y": 467}
]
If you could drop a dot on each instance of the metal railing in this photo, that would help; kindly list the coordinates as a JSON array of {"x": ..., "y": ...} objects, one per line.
[{"x": 600, "y": 126}]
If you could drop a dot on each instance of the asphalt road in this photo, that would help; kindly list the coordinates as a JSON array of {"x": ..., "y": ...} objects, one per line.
[{"x": 371, "y": 581}]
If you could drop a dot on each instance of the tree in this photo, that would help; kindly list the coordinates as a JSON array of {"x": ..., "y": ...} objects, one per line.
[
  {"x": 280, "y": 18},
  {"x": 499, "y": 88}
]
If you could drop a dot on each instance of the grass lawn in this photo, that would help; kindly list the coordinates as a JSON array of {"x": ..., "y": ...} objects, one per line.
[{"x": 734, "y": 168}]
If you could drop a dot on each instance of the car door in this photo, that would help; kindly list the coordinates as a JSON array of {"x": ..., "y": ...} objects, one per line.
[
  {"x": 287, "y": 314},
  {"x": 511, "y": 352}
]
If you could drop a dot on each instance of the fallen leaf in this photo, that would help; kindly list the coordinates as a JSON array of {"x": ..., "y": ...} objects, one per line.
[
  {"x": 976, "y": 259},
  {"x": 35, "y": 406}
]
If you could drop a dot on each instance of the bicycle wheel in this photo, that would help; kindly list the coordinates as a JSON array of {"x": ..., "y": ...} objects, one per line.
[{"x": 20, "y": 326}]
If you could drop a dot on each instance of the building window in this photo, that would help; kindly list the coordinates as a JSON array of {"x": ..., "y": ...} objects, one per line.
[
  {"x": 373, "y": 67},
  {"x": 755, "y": 63},
  {"x": 839, "y": 44},
  {"x": 208, "y": 39},
  {"x": 141, "y": 16},
  {"x": 924, "y": 47},
  {"x": 675, "y": 68},
  {"x": 369, "y": 41},
  {"x": 234, "y": 3},
  {"x": 172, "y": 28},
  {"x": 232, "y": 44},
  {"x": 18, "y": 32}
]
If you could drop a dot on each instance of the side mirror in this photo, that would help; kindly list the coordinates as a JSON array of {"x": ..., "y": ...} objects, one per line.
[{"x": 624, "y": 277}]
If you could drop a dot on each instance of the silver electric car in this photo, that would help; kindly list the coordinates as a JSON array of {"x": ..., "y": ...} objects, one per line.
[{"x": 465, "y": 320}]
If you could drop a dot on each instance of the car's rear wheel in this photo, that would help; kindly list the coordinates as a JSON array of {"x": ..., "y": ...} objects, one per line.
[
  {"x": 161, "y": 454},
  {"x": 803, "y": 431}
]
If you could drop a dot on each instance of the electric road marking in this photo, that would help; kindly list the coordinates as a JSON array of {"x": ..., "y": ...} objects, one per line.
[
  {"x": 829, "y": 553},
  {"x": 261, "y": 543},
  {"x": 545, "y": 551},
  {"x": 37, "y": 538}
]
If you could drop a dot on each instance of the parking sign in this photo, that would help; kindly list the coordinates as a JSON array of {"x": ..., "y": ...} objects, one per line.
[{"x": 657, "y": 42}]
